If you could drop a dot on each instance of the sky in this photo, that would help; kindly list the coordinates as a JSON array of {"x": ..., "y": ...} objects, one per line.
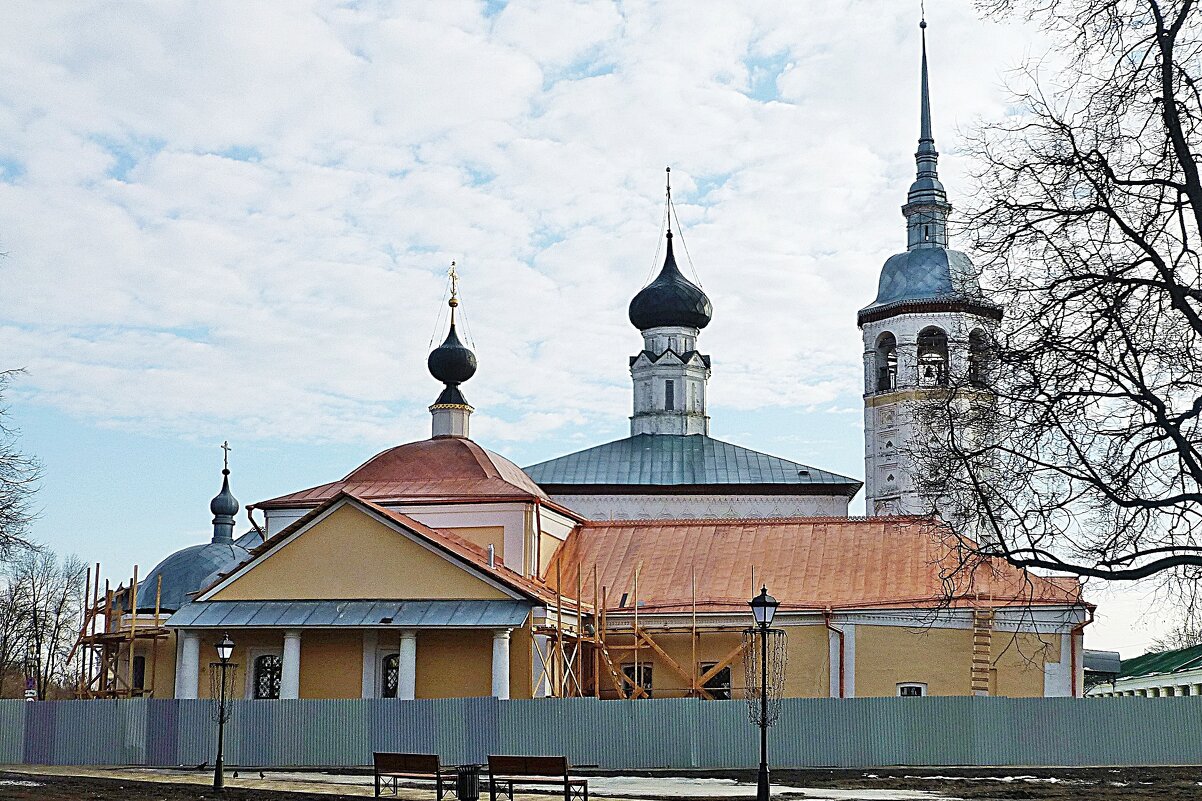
[{"x": 233, "y": 221}]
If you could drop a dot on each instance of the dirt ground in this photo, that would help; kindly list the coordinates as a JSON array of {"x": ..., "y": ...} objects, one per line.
[{"x": 1103, "y": 784}]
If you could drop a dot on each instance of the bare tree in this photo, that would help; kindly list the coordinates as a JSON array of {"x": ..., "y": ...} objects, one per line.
[
  {"x": 1078, "y": 447},
  {"x": 48, "y": 607},
  {"x": 19, "y": 476}
]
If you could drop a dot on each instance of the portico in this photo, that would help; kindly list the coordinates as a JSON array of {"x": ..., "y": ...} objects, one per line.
[{"x": 406, "y": 660}]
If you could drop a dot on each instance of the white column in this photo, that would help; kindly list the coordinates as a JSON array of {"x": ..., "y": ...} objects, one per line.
[
  {"x": 290, "y": 669},
  {"x": 406, "y": 685},
  {"x": 371, "y": 641},
  {"x": 500, "y": 664},
  {"x": 187, "y": 666}
]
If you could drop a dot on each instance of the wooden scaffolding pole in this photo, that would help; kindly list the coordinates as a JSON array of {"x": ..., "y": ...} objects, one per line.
[
  {"x": 133, "y": 624},
  {"x": 559, "y": 666},
  {"x": 154, "y": 644},
  {"x": 598, "y": 622},
  {"x": 579, "y": 637},
  {"x": 694, "y": 688}
]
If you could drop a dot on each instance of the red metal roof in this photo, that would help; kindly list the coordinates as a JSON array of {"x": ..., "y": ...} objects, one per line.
[
  {"x": 442, "y": 468},
  {"x": 807, "y": 563}
]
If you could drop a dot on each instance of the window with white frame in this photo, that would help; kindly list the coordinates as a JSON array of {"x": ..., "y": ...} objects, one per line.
[{"x": 911, "y": 689}]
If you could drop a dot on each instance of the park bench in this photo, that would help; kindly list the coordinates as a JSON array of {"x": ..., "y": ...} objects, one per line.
[
  {"x": 503, "y": 771},
  {"x": 389, "y": 768}
]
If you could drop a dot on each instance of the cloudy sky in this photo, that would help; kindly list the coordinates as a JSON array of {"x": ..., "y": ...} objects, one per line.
[{"x": 233, "y": 221}]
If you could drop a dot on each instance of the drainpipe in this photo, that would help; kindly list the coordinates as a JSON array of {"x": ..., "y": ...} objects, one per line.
[
  {"x": 537, "y": 568},
  {"x": 826, "y": 618},
  {"x": 1072, "y": 644},
  {"x": 250, "y": 508}
]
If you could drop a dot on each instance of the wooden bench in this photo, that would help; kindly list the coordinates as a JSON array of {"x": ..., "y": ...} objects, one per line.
[
  {"x": 503, "y": 771},
  {"x": 389, "y": 768}
]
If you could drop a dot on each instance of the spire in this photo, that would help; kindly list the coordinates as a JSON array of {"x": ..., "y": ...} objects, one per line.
[
  {"x": 926, "y": 208},
  {"x": 224, "y": 506},
  {"x": 452, "y": 363},
  {"x": 926, "y": 139}
]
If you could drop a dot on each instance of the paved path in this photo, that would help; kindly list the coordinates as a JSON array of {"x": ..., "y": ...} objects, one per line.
[{"x": 619, "y": 788}]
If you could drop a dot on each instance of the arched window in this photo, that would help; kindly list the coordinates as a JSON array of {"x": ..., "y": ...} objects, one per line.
[
  {"x": 267, "y": 676},
  {"x": 389, "y": 675},
  {"x": 932, "y": 357},
  {"x": 886, "y": 363},
  {"x": 978, "y": 358}
]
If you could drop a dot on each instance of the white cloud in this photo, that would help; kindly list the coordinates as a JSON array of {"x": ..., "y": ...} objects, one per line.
[{"x": 243, "y": 214}]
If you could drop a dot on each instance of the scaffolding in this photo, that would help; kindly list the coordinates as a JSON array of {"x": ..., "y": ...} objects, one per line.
[
  {"x": 113, "y": 634},
  {"x": 584, "y": 653}
]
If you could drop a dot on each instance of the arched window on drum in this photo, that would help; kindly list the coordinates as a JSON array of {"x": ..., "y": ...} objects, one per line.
[{"x": 932, "y": 357}]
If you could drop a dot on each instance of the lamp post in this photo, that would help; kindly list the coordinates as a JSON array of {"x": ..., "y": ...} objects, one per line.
[
  {"x": 31, "y": 675},
  {"x": 763, "y": 609},
  {"x": 225, "y": 649}
]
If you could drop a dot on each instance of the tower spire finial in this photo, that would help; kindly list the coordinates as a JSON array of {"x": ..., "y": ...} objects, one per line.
[
  {"x": 927, "y": 157},
  {"x": 668, "y": 173},
  {"x": 225, "y": 505},
  {"x": 454, "y": 301}
]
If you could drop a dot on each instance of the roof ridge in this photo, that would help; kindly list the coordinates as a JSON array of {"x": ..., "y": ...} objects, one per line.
[{"x": 721, "y": 521}]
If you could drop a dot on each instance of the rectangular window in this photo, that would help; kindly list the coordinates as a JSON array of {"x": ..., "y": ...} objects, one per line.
[
  {"x": 719, "y": 685},
  {"x": 139, "y": 673},
  {"x": 670, "y": 395},
  {"x": 911, "y": 690},
  {"x": 641, "y": 677}
]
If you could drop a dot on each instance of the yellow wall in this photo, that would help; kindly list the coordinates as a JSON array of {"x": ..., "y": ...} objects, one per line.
[
  {"x": 351, "y": 555},
  {"x": 1019, "y": 660},
  {"x": 484, "y": 536},
  {"x": 807, "y": 671},
  {"x": 454, "y": 664},
  {"x": 546, "y": 550},
  {"x": 889, "y": 655},
  {"x": 331, "y": 664},
  {"x": 521, "y": 661}
]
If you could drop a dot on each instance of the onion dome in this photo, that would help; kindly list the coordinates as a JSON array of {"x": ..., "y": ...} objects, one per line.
[
  {"x": 670, "y": 300},
  {"x": 184, "y": 572},
  {"x": 224, "y": 504},
  {"x": 452, "y": 362}
]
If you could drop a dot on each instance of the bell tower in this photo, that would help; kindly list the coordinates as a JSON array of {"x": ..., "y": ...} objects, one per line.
[{"x": 928, "y": 328}]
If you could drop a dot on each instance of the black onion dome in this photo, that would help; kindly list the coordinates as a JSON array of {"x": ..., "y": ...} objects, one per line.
[
  {"x": 452, "y": 362},
  {"x": 670, "y": 300},
  {"x": 224, "y": 504}
]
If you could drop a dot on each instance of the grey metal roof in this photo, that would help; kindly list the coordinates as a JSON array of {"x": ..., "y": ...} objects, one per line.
[
  {"x": 186, "y": 571},
  {"x": 343, "y": 614},
  {"x": 926, "y": 273},
  {"x": 680, "y": 460},
  {"x": 1101, "y": 661}
]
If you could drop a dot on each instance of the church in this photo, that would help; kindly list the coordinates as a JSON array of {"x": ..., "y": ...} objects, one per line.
[{"x": 440, "y": 569}]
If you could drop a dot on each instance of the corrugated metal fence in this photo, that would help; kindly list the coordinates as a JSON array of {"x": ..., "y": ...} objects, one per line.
[{"x": 668, "y": 733}]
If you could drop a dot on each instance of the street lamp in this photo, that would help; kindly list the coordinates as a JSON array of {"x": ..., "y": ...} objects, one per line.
[
  {"x": 763, "y": 610},
  {"x": 225, "y": 649},
  {"x": 31, "y": 675}
]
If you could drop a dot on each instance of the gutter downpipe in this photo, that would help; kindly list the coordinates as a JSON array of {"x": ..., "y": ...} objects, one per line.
[
  {"x": 538, "y": 539},
  {"x": 826, "y": 618},
  {"x": 1076, "y": 630},
  {"x": 250, "y": 508}
]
